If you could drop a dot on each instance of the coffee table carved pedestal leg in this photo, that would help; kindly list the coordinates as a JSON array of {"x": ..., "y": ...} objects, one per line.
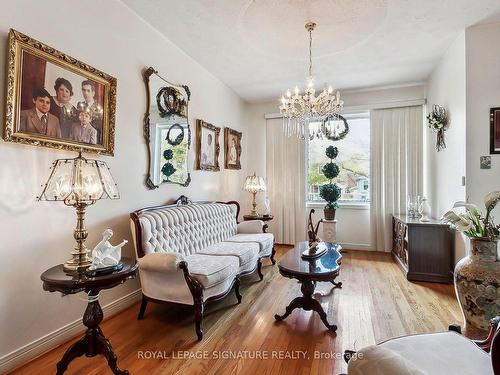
[{"x": 308, "y": 303}]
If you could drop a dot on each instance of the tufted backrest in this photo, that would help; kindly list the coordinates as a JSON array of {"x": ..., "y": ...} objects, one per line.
[{"x": 185, "y": 229}]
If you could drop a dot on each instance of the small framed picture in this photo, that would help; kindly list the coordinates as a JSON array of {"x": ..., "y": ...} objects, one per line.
[
  {"x": 232, "y": 148},
  {"x": 54, "y": 100},
  {"x": 485, "y": 162},
  {"x": 207, "y": 146},
  {"x": 495, "y": 130}
]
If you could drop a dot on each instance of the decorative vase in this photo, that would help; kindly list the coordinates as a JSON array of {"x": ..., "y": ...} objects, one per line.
[
  {"x": 329, "y": 213},
  {"x": 424, "y": 210},
  {"x": 477, "y": 285}
]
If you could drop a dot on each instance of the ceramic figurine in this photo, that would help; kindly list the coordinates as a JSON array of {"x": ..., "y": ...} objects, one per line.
[
  {"x": 105, "y": 254},
  {"x": 424, "y": 210}
]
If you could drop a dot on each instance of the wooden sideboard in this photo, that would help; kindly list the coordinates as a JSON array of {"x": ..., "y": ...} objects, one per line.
[{"x": 422, "y": 250}]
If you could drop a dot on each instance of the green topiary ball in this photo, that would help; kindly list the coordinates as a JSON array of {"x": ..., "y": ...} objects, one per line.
[
  {"x": 331, "y": 194},
  {"x": 331, "y": 170},
  {"x": 331, "y": 152},
  {"x": 168, "y": 154},
  {"x": 168, "y": 169}
]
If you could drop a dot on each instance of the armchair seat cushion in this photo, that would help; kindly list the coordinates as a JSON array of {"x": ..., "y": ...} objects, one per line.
[
  {"x": 246, "y": 252},
  {"x": 265, "y": 241},
  {"x": 211, "y": 270},
  {"x": 432, "y": 354}
]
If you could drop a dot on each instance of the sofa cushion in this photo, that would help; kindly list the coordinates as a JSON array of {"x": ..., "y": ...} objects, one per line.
[
  {"x": 211, "y": 270},
  {"x": 244, "y": 251},
  {"x": 265, "y": 241},
  {"x": 437, "y": 354}
]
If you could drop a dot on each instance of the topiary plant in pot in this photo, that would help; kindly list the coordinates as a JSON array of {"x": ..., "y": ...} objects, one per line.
[{"x": 330, "y": 192}]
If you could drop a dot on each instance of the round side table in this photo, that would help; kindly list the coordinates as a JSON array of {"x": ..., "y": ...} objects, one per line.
[
  {"x": 93, "y": 342},
  {"x": 260, "y": 217}
]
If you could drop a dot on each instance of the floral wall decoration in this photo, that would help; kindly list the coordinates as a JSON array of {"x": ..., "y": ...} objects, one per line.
[{"x": 438, "y": 122}]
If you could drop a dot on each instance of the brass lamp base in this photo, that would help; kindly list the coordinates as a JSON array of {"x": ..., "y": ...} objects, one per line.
[
  {"x": 80, "y": 260},
  {"x": 254, "y": 207}
]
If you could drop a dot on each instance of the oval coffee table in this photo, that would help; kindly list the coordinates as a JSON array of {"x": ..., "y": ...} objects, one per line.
[{"x": 324, "y": 269}]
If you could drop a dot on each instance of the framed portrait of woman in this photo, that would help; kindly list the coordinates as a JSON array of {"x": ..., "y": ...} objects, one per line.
[
  {"x": 54, "y": 100},
  {"x": 207, "y": 146},
  {"x": 232, "y": 149}
]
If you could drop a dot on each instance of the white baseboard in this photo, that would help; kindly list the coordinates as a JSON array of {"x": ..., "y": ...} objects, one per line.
[
  {"x": 356, "y": 246},
  {"x": 45, "y": 343}
]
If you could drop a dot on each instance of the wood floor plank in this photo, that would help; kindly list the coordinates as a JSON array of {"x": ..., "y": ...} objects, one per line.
[{"x": 375, "y": 303}]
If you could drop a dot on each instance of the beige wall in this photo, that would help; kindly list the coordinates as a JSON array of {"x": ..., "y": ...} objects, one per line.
[
  {"x": 444, "y": 169},
  {"x": 38, "y": 235},
  {"x": 483, "y": 93}
]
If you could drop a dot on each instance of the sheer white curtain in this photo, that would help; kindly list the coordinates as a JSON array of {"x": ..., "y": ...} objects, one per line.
[
  {"x": 396, "y": 166},
  {"x": 286, "y": 180}
]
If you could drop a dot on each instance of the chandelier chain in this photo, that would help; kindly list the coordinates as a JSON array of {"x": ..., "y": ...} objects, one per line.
[{"x": 310, "y": 52}]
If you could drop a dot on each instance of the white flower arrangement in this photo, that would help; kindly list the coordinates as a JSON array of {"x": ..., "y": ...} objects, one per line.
[{"x": 472, "y": 223}]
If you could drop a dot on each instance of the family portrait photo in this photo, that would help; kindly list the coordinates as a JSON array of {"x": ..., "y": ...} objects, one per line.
[
  {"x": 232, "y": 148},
  {"x": 61, "y": 105},
  {"x": 207, "y": 150}
]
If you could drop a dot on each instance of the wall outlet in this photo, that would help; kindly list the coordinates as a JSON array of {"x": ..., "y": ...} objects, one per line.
[{"x": 463, "y": 180}]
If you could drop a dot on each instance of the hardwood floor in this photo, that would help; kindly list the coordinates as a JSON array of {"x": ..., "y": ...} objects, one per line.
[{"x": 375, "y": 303}]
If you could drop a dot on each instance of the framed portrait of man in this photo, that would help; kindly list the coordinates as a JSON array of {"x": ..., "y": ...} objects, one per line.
[
  {"x": 56, "y": 101},
  {"x": 207, "y": 146},
  {"x": 232, "y": 149},
  {"x": 495, "y": 130}
]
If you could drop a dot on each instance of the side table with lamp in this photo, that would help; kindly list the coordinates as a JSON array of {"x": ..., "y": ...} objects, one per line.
[
  {"x": 254, "y": 184},
  {"x": 80, "y": 182}
]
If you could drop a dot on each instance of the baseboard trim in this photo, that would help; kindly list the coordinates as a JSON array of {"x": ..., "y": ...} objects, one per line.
[
  {"x": 356, "y": 246},
  {"x": 45, "y": 343}
]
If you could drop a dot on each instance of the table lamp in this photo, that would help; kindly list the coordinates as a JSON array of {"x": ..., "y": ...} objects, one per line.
[
  {"x": 254, "y": 184},
  {"x": 79, "y": 182}
]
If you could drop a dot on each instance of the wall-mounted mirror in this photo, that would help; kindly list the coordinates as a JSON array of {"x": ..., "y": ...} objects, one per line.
[{"x": 166, "y": 130}]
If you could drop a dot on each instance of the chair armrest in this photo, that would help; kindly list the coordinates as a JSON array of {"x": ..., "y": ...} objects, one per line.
[
  {"x": 160, "y": 262},
  {"x": 486, "y": 344},
  {"x": 251, "y": 227}
]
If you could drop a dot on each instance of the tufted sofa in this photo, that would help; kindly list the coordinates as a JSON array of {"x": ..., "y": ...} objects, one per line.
[{"x": 192, "y": 253}]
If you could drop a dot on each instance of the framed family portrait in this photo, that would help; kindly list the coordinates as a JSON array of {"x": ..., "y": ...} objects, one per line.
[
  {"x": 54, "y": 100},
  {"x": 232, "y": 148},
  {"x": 207, "y": 146},
  {"x": 495, "y": 130}
]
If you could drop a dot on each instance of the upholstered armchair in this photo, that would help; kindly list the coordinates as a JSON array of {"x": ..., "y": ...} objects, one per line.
[{"x": 430, "y": 354}]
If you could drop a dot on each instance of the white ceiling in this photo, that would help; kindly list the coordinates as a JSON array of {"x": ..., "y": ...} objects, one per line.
[{"x": 260, "y": 47}]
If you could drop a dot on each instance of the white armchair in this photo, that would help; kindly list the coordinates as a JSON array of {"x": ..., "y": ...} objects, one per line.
[{"x": 430, "y": 354}]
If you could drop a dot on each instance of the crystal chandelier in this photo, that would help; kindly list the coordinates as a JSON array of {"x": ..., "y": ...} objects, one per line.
[{"x": 310, "y": 115}]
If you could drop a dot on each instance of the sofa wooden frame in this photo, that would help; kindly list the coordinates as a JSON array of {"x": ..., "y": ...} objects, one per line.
[{"x": 194, "y": 286}]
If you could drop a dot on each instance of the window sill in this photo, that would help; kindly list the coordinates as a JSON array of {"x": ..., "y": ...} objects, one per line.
[{"x": 342, "y": 205}]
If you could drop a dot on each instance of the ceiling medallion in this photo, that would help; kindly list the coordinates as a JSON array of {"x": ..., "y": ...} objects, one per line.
[{"x": 310, "y": 115}]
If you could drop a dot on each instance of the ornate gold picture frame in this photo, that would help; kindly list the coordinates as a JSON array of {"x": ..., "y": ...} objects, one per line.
[
  {"x": 232, "y": 148},
  {"x": 54, "y": 100},
  {"x": 207, "y": 146}
]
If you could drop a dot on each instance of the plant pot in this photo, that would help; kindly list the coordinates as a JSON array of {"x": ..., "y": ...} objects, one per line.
[
  {"x": 329, "y": 213},
  {"x": 477, "y": 285}
]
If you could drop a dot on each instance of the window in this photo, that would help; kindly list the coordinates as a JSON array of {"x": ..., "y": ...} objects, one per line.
[{"x": 353, "y": 160}]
